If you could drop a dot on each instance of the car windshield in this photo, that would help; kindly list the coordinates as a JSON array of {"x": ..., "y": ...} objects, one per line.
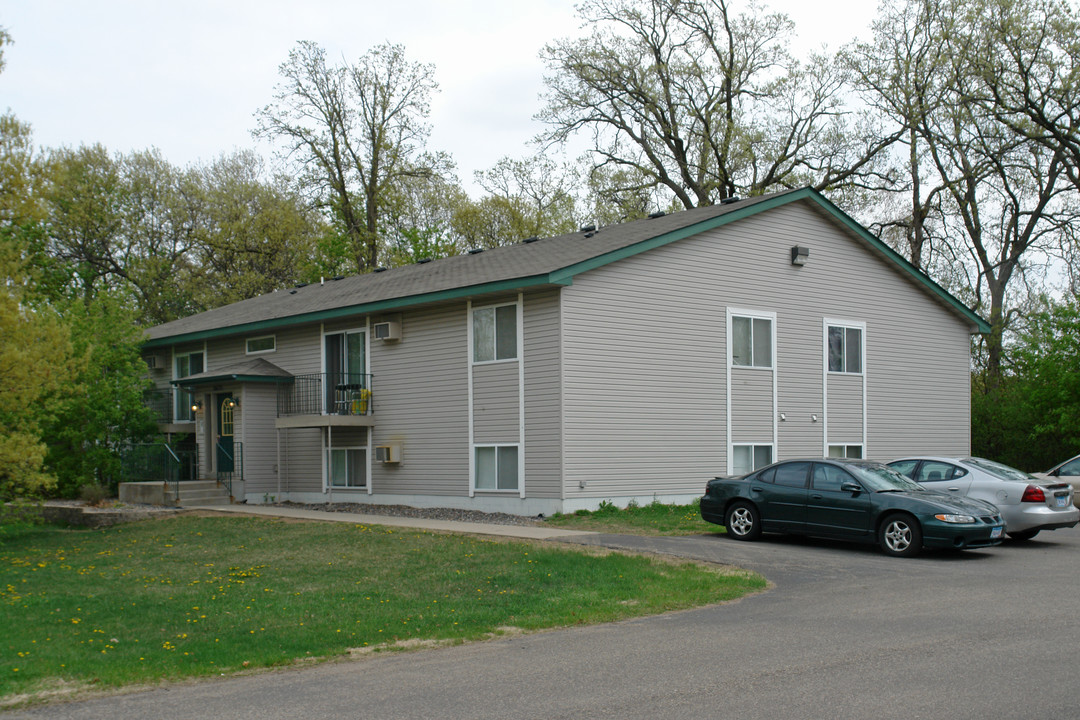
[
  {"x": 1002, "y": 472},
  {"x": 881, "y": 478}
]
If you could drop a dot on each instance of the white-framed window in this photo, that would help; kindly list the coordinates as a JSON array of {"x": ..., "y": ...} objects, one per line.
[
  {"x": 263, "y": 344},
  {"x": 496, "y": 467},
  {"x": 844, "y": 345},
  {"x": 752, "y": 339},
  {"x": 347, "y": 467},
  {"x": 748, "y": 458},
  {"x": 186, "y": 365},
  {"x": 852, "y": 452},
  {"x": 495, "y": 333}
]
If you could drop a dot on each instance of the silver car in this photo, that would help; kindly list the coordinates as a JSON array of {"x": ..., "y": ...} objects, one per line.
[
  {"x": 1068, "y": 471},
  {"x": 1027, "y": 503}
]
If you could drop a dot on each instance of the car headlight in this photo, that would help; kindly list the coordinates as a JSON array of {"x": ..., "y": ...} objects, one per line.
[{"x": 945, "y": 517}]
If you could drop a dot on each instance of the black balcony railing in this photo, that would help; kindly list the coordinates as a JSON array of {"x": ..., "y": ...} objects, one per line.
[
  {"x": 327, "y": 394},
  {"x": 157, "y": 462},
  {"x": 160, "y": 403}
]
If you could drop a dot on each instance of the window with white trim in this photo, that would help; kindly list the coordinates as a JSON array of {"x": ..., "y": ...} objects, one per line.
[
  {"x": 852, "y": 452},
  {"x": 184, "y": 366},
  {"x": 845, "y": 349},
  {"x": 751, "y": 341},
  {"x": 496, "y": 467},
  {"x": 748, "y": 458},
  {"x": 264, "y": 344},
  {"x": 347, "y": 467},
  {"x": 495, "y": 333}
]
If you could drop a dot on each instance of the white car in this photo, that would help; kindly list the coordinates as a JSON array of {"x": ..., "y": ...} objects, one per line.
[
  {"x": 1068, "y": 471},
  {"x": 1028, "y": 504}
]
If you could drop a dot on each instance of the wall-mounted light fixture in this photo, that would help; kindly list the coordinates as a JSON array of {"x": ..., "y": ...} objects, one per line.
[
  {"x": 799, "y": 255},
  {"x": 196, "y": 406},
  {"x": 232, "y": 403}
]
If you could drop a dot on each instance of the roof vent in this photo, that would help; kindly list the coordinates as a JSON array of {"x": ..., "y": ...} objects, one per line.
[
  {"x": 530, "y": 239},
  {"x": 292, "y": 292},
  {"x": 730, "y": 200},
  {"x": 338, "y": 277},
  {"x": 475, "y": 251},
  {"x": 658, "y": 214},
  {"x": 300, "y": 285},
  {"x": 421, "y": 261},
  {"x": 379, "y": 269},
  {"x": 589, "y": 234},
  {"x": 588, "y": 228}
]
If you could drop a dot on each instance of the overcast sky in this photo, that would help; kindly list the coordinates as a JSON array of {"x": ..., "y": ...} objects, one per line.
[{"x": 186, "y": 77}]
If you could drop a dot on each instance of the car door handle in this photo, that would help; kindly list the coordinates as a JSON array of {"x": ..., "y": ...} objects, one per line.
[
  {"x": 756, "y": 489},
  {"x": 816, "y": 497},
  {"x": 954, "y": 489}
]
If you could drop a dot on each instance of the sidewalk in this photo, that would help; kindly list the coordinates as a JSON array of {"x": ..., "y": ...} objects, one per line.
[{"x": 518, "y": 531}]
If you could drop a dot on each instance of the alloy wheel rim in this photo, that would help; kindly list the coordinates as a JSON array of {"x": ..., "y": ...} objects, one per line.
[
  {"x": 741, "y": 521},
  {"x": 898, "y": 536}
]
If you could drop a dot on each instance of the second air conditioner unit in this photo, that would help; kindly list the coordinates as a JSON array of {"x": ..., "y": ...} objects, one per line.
[
  {"x": 390, "y": 330},
  {"x": 388, "y": 453}
]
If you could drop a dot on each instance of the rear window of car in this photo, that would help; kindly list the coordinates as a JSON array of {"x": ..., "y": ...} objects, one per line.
[{"x": 998, "y": 470}]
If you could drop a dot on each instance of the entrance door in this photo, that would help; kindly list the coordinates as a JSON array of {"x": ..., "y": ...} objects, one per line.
[
  {"x": 225, "y": 407},
  {"x": 346, "y": 364}
]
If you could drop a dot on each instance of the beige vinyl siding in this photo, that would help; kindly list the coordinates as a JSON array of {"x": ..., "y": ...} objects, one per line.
[
  {"x": 496, "y": 406},
  {"x": 845, "y": 409},
  {"x": 644, "y": 353},
  {"x": 256, "y": 414},
  {"x": 543, "y": 411},
  {"x": 751, "y": 406},
  {"x": 421, "y": 402}
]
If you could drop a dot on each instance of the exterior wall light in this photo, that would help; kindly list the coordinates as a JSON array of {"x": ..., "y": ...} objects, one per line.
[
  {"x": 196, "y": 406},
  {"x": 799, "y": 255},
  {"x": 232, "y": 403}
]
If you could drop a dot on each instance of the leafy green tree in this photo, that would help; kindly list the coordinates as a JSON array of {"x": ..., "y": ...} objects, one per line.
[
  {"x": 100, "y": 409},
  {"x": 36, "y": 366},
  {"x": 251, "y": 235}
]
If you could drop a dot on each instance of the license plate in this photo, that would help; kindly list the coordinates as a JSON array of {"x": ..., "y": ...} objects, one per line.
[
  {"x": 1062, "y": 500},
  {"x": 996, "y": 533}
]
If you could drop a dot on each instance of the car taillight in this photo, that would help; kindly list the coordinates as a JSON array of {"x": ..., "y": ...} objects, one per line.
[{"x": 1033, "y": 494}]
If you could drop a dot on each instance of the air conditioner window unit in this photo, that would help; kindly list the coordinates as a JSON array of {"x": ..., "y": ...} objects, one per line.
[
  {"x": 156, "y": 362},
  {"x": 390, "y": 330},
  {"x": 388, "y": 453}
]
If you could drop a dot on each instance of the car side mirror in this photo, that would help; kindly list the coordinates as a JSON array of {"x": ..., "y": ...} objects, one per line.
[{"x": 851, "y": 487}]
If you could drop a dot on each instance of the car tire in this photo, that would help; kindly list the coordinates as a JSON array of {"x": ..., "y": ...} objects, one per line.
[
  {"x": 743, "y": 521},
  {"x": 900, "y": 536},
  {"x": 1022, "y": 534}
]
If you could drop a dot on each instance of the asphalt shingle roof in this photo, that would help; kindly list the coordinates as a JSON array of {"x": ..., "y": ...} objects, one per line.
[{"x": 528, "y": 263}]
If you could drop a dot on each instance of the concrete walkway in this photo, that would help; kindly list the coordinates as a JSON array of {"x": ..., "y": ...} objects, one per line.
[{"x": 519, "y": 531}]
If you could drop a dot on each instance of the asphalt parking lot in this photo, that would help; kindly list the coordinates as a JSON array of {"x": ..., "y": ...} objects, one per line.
[{"x": 844, "y": 632}]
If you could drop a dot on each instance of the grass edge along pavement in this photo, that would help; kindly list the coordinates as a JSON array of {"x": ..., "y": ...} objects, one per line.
[
  {"x": 191, "y": 597},
  {"x": 654, "y": 518}
]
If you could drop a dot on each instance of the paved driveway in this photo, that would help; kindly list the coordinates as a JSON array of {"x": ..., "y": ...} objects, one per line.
[{"x": 844, "y": 633}]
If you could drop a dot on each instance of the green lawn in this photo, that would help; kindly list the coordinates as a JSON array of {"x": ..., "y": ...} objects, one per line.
[
  {"x": 190, "y": 596},
  {"x": 652, "y": 519}
]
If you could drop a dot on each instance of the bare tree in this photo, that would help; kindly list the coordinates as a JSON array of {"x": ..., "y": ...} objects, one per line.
[
  {"x": 354, "y": 131},
  {"x": 686, "y": 95}
]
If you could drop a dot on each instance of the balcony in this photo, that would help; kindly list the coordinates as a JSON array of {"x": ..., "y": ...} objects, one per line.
[{"x": 325, "y": 400}]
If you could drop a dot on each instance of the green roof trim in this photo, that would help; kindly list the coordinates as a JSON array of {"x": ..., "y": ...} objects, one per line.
[
  {"x": 182, "y": 382},
  {"x": 919, "y": 276},
  {"x": 372, "y": 307},
  {"x": 802, "y": 194}
]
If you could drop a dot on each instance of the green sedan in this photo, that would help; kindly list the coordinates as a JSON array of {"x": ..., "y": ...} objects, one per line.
[{"x": 850, "y": 500}]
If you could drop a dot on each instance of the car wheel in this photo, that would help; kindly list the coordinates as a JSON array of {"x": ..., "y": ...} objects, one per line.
[
  {"x": 743, "y": 522},
  {"x": 900, "y": 536},
  {"x": 1022, "y": 535}
]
